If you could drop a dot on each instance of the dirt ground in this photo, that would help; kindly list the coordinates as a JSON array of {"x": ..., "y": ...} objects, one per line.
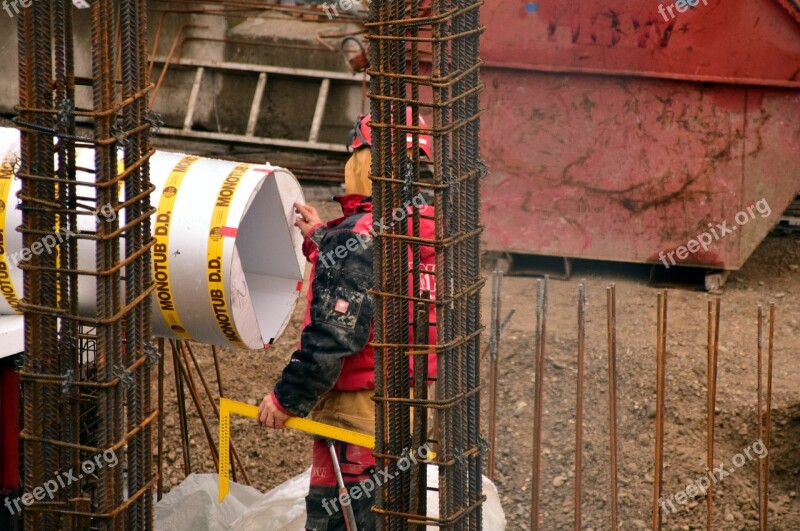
[{"x": 772, "y": 273}]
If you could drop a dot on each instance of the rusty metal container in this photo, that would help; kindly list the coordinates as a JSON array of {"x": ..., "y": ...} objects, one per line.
[{"x": 616, "y": 132}]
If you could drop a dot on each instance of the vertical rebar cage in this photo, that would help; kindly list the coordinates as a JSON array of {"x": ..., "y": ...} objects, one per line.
[
  {"x": 424, "y": 56},
  {"x": 86, "y": 378}
]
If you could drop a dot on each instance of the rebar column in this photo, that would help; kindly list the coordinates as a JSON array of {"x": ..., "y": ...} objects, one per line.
[
  {"x": 40, "y": 403},
  {"x": 86, "y": 378},
  {"x": 424, "y": 56}
]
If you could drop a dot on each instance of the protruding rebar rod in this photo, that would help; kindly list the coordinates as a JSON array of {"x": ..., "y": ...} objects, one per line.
[
  {"x": 503, "y": 324},
  {"x": 236, "y": 460},
  {"x": 538, "y": 390},
  {"x": 760, "y": 417},
  {"x": 160, "y": 465},
  {"x": 709, "y": 411},
  {"x": 611, "y": 308},
  {"x": 661, "y": 333},
  {"x": 579, "y": 406},
  {"x": 182, "y": 418},
  {"x": 186, "y": 371},
  {"x": 713, "y": 350},
  {"x": 770, "y": 345},
  {"x": 218, "y": 371},
  {"x": 494, "y": 347},
  {"x": 419, "y": 474},
  {"x": 222, "y": 395}
]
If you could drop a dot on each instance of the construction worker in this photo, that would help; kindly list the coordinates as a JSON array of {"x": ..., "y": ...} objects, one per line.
[{"x": 331, "y": 377}]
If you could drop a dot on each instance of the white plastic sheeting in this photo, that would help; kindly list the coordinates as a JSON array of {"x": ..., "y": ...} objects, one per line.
[
  {"x": 227, "y": 262},
  {"x": 193, "y": 505}
]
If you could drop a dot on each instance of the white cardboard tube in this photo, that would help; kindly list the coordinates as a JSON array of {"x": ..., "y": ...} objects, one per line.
[{"x": 228, "y": 262}]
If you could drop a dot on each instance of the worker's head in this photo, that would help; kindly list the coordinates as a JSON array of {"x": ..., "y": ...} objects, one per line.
[
  {"x": 357, "y": 171},
  {"x": 361, "y": 135}
]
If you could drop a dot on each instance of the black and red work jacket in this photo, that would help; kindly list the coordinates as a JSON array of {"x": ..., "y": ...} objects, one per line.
[{"x": 334, "y": 351}]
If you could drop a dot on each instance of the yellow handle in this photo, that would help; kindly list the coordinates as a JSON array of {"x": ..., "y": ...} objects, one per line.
[{"x": 226, "y": 407}]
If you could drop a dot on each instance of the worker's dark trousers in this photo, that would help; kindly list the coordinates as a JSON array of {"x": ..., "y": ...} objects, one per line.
[
  {"x": 325, "y": 510},
  {"x": 324, "y": 504}
]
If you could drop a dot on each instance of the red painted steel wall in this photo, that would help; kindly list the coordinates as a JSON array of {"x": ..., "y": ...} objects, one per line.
[
  {"x": 730, "y": 38},
  {"x": 604, "y": 143}
]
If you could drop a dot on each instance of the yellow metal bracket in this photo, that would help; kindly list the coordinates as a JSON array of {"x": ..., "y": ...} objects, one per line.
[{"x": 228, "y": 407}]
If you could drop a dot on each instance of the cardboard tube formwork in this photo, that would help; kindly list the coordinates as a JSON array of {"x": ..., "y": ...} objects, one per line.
[{"x": 227, "y": 262}]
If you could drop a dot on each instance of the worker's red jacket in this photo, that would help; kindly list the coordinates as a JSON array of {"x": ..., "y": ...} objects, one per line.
[{"x": 334, "y": 353}]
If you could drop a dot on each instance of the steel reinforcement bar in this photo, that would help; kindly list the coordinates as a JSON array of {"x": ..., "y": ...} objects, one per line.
[
  {"x": 424, "y": 56},
  {"x": 86, "y": 378}
]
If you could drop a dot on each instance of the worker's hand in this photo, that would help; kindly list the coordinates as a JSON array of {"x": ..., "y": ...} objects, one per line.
[
  {"x": 307, "y": 219},
  {"x": 270, "y": 415}
]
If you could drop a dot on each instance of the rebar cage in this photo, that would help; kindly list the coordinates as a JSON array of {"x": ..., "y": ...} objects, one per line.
[
  {"x": 424, "y": 55},
  {"x": 86, "y": 374}
]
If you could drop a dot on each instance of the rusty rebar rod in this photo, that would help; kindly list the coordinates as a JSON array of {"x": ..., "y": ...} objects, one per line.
[
  {"x": 661, "y": 333},
  {"x": 711, "y": 403},
  {"x": 160, "y": 464},
  {"x": 186, "y": 371},
  {"x": 236, "y": 460},
  {"x": 168, "y": 61},
  {"x": 762, "y": 506},
  {"x": 579, "y": 403},
  {"x": 767, "y": 427},
  {"x": 419, "y": 475},
  {"x": 218, "y": 372},
  {"x": 182, "y": 418},
  {"x": 494, "y": 347},
  {"x": 538, "y": 398},
  {"x": 611, "y": 312},
  {"x": 35, "y": 55}
]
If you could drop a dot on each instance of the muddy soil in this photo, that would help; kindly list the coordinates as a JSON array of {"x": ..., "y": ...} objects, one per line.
[{"x": 772, "y": 273}]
